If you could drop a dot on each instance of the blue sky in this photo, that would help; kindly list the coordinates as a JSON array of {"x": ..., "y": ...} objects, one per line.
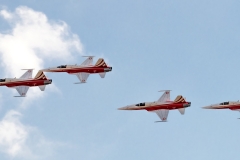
[{"x": 190, "y": 47}]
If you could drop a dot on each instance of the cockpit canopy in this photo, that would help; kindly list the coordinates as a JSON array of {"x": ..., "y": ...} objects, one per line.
[
  {"x": 224, "y": 103},
  {"x": 62, "y": 66},
  {"x": 2, "y": 80},
  {"x": 140, "y": 104}
]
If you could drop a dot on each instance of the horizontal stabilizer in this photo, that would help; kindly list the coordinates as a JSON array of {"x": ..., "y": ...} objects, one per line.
[
  {"x": 19, "y": 96},
  {"x": 182, "y": 110},
  {"x": 42, "y": 88},
  {"x": 102, "y": 75}
]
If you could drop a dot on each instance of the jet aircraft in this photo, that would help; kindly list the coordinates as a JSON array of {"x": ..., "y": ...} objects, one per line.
[
  {"x": 232, "y": 105},
  {"x": 162, "y": 106},
  {"x": 23, "y": 83},
  {"x": 84, "y": 70}
]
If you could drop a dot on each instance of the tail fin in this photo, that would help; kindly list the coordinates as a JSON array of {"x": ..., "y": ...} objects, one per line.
[
  {"x": 179, "y": 99},
  {"x": 40, "y": 75},
  {"x": 100, "y": 63}
]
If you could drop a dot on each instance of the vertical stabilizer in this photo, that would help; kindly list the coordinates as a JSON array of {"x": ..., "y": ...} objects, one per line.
[
  {"x": 179, "y": 99},
  {"x": 40, "y": 75},
  {"x": 100, "y": 63}
]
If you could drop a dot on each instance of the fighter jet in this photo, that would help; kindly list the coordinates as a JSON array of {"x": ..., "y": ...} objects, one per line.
[
  {"x": 232, "y": 105},
  {"x": 82, "y": 71},
  {"x": 162, "y": 106},
  {"x": 23, "y": 83}
]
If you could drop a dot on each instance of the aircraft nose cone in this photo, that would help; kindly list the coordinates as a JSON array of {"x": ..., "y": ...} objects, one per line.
[
  {"x": 123, "y": 108},
  {"x": 47, "y": 69},
  {"x": 207, "y": 107}
]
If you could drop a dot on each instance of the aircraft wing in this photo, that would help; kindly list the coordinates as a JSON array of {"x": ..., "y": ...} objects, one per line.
[
  {"x": 22, "y": 90},
  {"x": 165, "y": 97},
  {"x": 88, "y": 61},
  {"x": 83, "y": 76},
  {"x": 27, "y": 74},
  {"x": 162, "y": 114}
]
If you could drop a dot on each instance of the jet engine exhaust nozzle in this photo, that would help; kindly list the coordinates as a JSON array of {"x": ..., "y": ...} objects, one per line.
[
  {"x": 108, "y": 69},
  {"x": 187, "y": 105},
  {"x": 49, "y": 81}
]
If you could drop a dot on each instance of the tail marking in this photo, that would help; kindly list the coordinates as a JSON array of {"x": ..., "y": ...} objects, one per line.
[
  {"x": 179, "y": 99},
  {"x": 40, "y": 75},
  {"x": 100, "y": 63}
]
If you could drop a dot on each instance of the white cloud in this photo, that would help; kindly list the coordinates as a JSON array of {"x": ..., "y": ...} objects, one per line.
[
  {"x": 12, "y": 133},
  {"x": 31, "y": 41},
  {"x": 23, "y": 142},
  {"x": 34, "y": 39},
  {"x": 34, "y": 94}
]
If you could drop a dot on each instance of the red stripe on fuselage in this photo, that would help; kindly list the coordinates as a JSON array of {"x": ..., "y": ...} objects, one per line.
[
  {"x": 232, "y": 107},
  {"x": 29, "y": 83},
  {"x": 84, "y": 69},
  {"x": 169, "y": 106},
  {"x": 165, "y": 106}
]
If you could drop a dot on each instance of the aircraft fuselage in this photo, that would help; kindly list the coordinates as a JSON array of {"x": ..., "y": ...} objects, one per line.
[
  {"x": 152, "y": 106},
  {"x": 20, "y": 82},
  {"x": 225, "y": 105},
  {"x": 77, "y": 69}
]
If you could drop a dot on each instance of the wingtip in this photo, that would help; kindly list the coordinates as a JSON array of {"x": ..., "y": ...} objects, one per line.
[
  {"x": 165, "y": 90},
  {"x": 88, "y": 56},
  {"x": 160, "y": 121},
  {"x": 28, "y": 69},
  {"x": 79, "y": 82}
]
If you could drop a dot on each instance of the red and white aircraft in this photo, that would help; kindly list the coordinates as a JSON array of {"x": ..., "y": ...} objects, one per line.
[
  {"x": 23, "y": 83},
  {"x": 232, "y": 105},
  {"x": 162, "y": 106},
  {"x": 82, "y": 71}
]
